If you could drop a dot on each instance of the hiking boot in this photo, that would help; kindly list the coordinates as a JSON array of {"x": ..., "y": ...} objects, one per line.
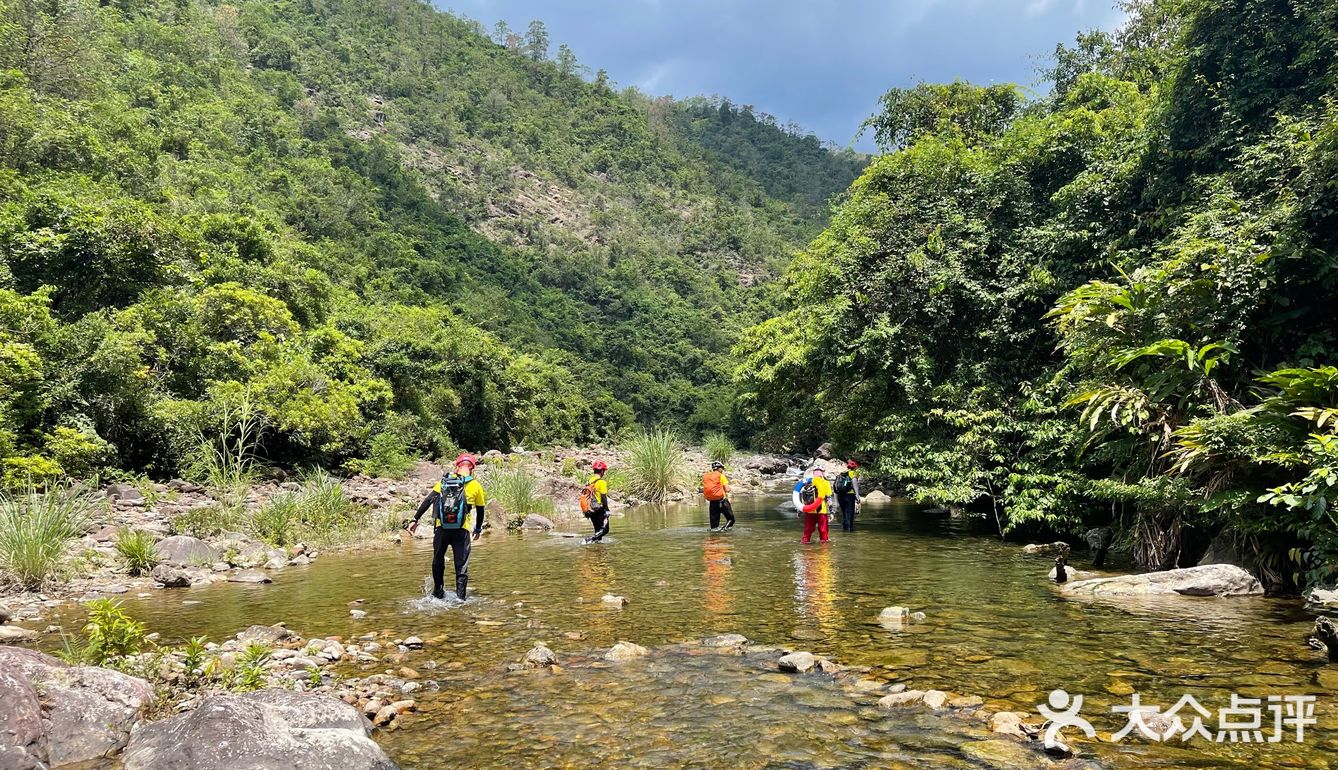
[
  {"x": 461, "y": 587},
  {"x": 437, "y": 593}
]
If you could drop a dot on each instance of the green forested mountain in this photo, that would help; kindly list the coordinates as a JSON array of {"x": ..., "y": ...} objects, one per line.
[
  {"x": 1116, "y": 304},
  {"x": 383, "y": 229}
]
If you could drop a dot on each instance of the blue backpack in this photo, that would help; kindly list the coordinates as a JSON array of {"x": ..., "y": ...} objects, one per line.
[{"x": 451, "y": 503}]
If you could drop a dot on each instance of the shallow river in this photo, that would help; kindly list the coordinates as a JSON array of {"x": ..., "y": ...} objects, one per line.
[{"x": 994, "y": 628}]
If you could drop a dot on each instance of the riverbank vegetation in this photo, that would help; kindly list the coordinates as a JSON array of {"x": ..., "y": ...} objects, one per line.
[
  {"x": 656, "y": 464},
  {"x": 392, "y": 234},
  {"x": 1113, "y": 305}
]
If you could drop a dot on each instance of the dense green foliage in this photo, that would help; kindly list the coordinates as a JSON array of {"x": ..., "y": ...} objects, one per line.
[
  {"x": 390, "y": 234},
  {"x": 1114, "y": 305}
]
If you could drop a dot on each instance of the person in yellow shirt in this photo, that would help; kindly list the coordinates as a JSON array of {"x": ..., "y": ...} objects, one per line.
[
  {"x": 813, "y": 496},
  {"x": 599, "y": 505},
  {"x": 715, "y": 488},
  {"x": 457, "y": 501}
]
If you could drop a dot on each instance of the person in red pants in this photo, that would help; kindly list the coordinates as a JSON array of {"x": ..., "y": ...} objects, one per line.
[{"x": 813, "y": 498}]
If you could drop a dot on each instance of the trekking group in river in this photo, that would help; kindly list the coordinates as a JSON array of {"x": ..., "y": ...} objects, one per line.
[{"x": 457, "y": 503}]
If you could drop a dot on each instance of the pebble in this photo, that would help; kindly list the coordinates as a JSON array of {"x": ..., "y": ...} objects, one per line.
[
  {"x": 357, "y": 614},
  {"x": 413, "y": 643}
]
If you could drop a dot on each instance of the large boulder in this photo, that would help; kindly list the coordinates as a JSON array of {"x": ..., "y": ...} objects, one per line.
[
  {"x": 56, "y": 715},
  {"x": 1206, "y": 580},
  {"x": 824, "y": 452},
  {"x": 182, "y": 551},
  {"x": 1322, "y": 596},
  {"x": 266, "y": 730},
  {"x": 171, "y": 577},
  {"x": 17, "y": 634},
  {"x": 878, "y": 497},
  {"x": 535, "y": 521}
]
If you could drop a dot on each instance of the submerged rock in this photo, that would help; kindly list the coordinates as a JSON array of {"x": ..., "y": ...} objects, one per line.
[
  {"x": 614, "y": 601},
  {"x": 725, "y": 640},
  {"x": 54, "y": 714},
  {"x": 1045, "y": 549},
  {"x": 535, "y": 521},
  {"x": 249, "y": 577},
  {"x": 1206, "y": 580},
  {"x": 901, "y": 699},
  {"x": 266, "y": 729},
  {"x": 624, "y": 651}
]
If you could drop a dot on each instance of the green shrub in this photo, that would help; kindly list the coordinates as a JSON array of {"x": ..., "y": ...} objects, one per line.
[
  {"x": 275, "y": 521},
  {"x": 138, "y": 549},
  {"x": 718, "y": 447},
  {"x": 110, "y": 632},
  {"x": 35, "y": 529},
  {"x": 29, "y": 471},
  {"x": 249, "y": 674},
  {"x": 517, "y": 489},
  {"x": 80, "y": 454},
  {"x": 324, "y": 506},
  {"x": 225, "y": 461},
  {"x": 388, "y": 456},
  {"x": 655, "y": 464},
  {"x": 206, "y": 521}
]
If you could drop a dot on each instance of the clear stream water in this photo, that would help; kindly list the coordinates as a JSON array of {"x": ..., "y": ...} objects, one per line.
[{"x": 994, "y": 628}]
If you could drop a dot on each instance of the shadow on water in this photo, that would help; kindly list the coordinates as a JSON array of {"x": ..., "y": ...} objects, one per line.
[{"x": 994, "y": 627}]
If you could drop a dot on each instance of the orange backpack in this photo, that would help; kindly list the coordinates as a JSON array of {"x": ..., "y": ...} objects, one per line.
[
  {"x": 713, "y": 485},
  {"x": 588, "y": 499}
]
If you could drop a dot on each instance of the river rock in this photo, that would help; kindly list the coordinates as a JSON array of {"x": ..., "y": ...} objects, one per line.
[
  {"x": 798, "y": 662},
  {"x": 624, "y": 651},
  {"x": 265, "y": 730},
  {"x": 539, "y": 657},
  {"x": 1207, "y": 580},
  {"x": 182, "y": 550},
  {"x": 55, "y": 714},
  {"x": 5, "y": 614},
  {"x": 535, "y": 521},
  {"x": 1072, "y": 574},
  {"x": 823, "y": 452},
  {"x": 1011, "y": 723},
  {"x": 901, "y": 699},
  {"x": 266, "y": 635},
  {"x": 725, "y": 640},
  {"x": 250, "y": 555},
  {"x": 1318, "y": 595},
  {"x": 1045, "y": 549},
  {"x": 877, "y": 496},
  {"x": 414, "y": 643},
  {"x": 124, "y": 493},
  {"x": 614, "y": 601},
  {"x": 1002, "y": 754},
  {"x": 170, "y": 577},
  {"x": 15, "y": 634},
  {"x": 250, "y": 576},
  {"x": 935, "y": 699}
]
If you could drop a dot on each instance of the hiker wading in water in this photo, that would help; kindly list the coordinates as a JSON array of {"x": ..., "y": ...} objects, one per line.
[
  {"x": 595, "y": 502},
  {"x": 715, "y": 488},
  {"x": 813, "y": 496},
  {"x": 451, "y": 501}
]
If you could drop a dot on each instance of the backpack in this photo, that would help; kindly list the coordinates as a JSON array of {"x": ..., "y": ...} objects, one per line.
[
  {"x": 808, "y": 495},
  {"x": 713, "y": 486},
  {"x": 451, "y": 502},
  {"x": 589, "y": 498},
  {"x": 845, "y": 484}
]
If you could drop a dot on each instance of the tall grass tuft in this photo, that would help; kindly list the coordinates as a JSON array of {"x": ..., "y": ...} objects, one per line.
[
  {"x": 138, "y": 549},
  {"x": 655, "y": 464},
  {"x": 225, "y": 462},
  {"x": 276, "y": 520},
  {"x": 517, "y": 489},
  {"x": 718, "y": 447},
  {"x": 319, "y": 513},
  {"x": 36, "y": 527}
]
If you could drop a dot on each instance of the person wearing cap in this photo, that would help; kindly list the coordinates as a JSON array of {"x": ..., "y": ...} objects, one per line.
[
  {"x": 715, "y": 488},
  {"x": 599, "y": 509},
  {"x": 457, "y": 501},
  {"x": 847, "y": 495}
]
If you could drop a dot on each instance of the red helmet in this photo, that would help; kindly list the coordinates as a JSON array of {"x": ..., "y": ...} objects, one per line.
[
  {"x": 851, "y": 464},
  {"x": 600, "y": 465},
  {"x": 466, "y": 457}
]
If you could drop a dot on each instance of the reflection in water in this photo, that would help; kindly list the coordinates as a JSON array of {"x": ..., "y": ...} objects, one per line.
[
  {"x": 815, "y": 586},
  {"x": 995, "y": 627},
  {"x": 718, "y": 555}
]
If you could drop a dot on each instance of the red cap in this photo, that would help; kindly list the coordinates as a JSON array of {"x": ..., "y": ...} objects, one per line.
[
  {"x": 466, "y": 457},
  {"x": 600, "y": 465},
  {"x": 852, "y": 464}
]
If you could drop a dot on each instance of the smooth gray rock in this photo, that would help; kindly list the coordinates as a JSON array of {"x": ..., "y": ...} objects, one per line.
[
  {"x": 798, "y": 662},
  {"x": 15, "y": 634},
  {"x": 171, "y": 577},
  {"x": 539, "y": 657},
  {"x": 183, "y": 550},
  {"x": 1206, "y": 580},
  {"x": 124, "y": 493},
  {"x": 725, "y": 640},
  {"x": 250, "y": 576},
  {"x": 82, "y": 713},
  {"x": 1045, "y": 549},
  {"x": 266, "y": 730},
  {"x": 624, "y": 651},
  {"x": 1322, "y": 596},
  {"x": 5, "y": 614},
  {"x": 535, "y": 521}
]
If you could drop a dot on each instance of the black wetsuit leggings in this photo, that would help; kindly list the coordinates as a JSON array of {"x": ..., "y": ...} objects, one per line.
[
  {"x": 459, "y": 542},
  {"x": 600, "y": 519},
  {"x": 847, "y": 511},
  {"x": 719, "y": 507}
]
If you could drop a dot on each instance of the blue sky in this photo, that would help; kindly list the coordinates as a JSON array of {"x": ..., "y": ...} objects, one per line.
[{"x": 820, "y": 63}]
